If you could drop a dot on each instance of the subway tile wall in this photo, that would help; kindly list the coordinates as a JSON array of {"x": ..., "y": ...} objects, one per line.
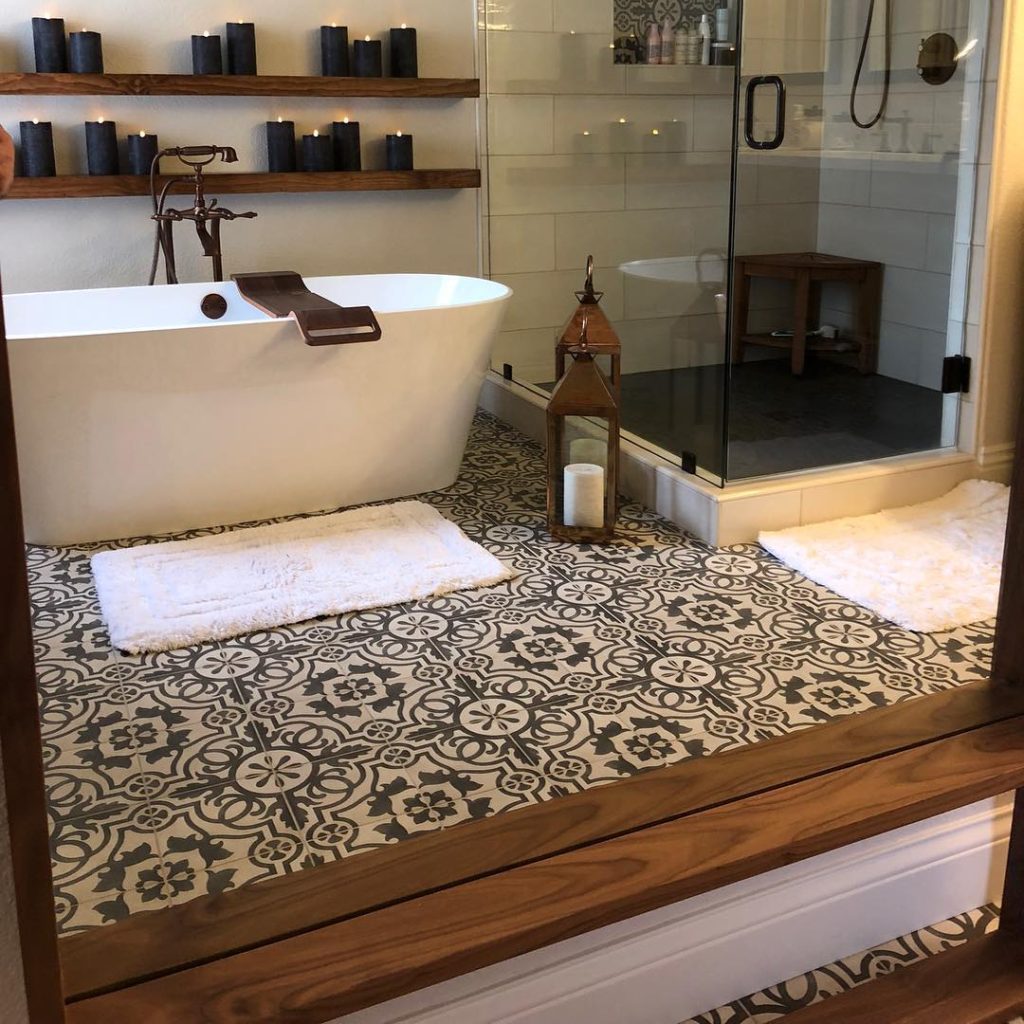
[{"x": 633, "y": 165}]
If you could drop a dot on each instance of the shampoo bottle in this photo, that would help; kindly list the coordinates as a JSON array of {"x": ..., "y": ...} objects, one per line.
[
  {"x": 668, "y": 41},
  {"x": 705, "y": 39},
  {"x": 653, "y": 44}
]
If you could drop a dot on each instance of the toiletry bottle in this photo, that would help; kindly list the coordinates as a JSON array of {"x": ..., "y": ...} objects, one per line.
[
  {"x": 695, "y": 44},
  {"x": 668, "y": 41},
  {"x": 722, "y": 25},
  {"x": 683, "y": 45},
  {"x": 653, "y": 44},
  {"x": 705, "y": 39}
]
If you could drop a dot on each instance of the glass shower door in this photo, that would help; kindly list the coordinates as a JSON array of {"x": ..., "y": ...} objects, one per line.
[{"x": 853, "y": 187}]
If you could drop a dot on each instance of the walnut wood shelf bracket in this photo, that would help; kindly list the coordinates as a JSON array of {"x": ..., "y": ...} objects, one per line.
[
  {"x": 81, "y": 186},
  {"x": 34, "y": 84}
]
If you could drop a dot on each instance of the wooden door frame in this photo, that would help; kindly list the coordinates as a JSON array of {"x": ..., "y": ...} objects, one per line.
[
  {"x": 310, "y": 946},
  {"x": 21, "y": 740}
]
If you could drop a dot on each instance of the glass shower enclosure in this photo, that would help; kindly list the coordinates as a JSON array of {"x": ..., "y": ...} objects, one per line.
[{"x": 783, "y": 236}]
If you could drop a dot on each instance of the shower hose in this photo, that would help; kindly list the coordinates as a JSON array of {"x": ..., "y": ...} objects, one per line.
[{"x": 860, "y": 67}]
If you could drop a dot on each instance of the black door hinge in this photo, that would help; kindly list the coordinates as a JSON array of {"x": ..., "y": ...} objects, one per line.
[{"x": 956, "y": 375}]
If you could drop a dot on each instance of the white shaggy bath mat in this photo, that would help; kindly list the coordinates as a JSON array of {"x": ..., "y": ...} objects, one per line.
[
  {"x": 157, "y": 597},
  {"x": 928, "y": 567}
]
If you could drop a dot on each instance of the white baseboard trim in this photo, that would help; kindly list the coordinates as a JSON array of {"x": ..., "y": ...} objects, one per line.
[{"x": 670, "y": 964}]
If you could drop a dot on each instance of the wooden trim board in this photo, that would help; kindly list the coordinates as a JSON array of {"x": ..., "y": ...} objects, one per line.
[{"x": 20, "y": 740}]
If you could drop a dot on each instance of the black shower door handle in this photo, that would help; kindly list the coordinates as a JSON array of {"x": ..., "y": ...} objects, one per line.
[{"x": 780, "y": 112}]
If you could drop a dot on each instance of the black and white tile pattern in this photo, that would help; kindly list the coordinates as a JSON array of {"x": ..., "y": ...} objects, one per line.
[
  {"x": 772, "y": 1004},
  {"x": 192, "y": 771},
  {"x": 633, "y": 17}
]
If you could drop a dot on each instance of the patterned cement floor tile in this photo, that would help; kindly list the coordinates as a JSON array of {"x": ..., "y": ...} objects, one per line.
[
  {"x": 774, "y": 1003},
  {"x": 317, "y": 740}
]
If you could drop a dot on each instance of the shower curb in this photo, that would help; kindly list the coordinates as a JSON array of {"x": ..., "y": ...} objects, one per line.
[{"x": 738, "y": 512}]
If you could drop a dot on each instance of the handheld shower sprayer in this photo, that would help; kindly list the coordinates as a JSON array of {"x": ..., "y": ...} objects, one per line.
[
  {"x": 884, "y": 102},
  {"x": 207, "y": 216}
]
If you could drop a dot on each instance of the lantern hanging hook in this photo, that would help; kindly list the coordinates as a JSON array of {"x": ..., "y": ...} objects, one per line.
[{"x": 589, "y": 297}]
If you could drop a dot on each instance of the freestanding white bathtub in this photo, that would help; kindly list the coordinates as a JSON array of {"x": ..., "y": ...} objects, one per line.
[{"x": 137, "y": 415}]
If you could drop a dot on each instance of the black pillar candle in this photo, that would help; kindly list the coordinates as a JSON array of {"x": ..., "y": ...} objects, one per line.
[
  {"x": 206, "y": 55},
  {"x": 37, "y": 160},
  {"x": 141, "y": 150},
  {"x": 50, "y": 45},
  {"x": 101, "y": 147},
  {"x": 85, "y": 53},
  {"x": 367, "y": 61},
  {"x": 334, "y": 51},
  {"x": 280, "y": 146},
  {"x": 316, "y": 152},
  {"x": 399, "y": 152},
  {"x": 241, "y": 48},
  {"x": 404, "y": 62},
  {"x": 347, "y": 150}
]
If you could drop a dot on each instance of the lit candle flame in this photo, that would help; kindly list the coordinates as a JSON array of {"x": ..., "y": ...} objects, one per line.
[
  {"x": 399, "y": 134},
  {"x": 367, "y": 38},
  {"x": 334, "y": 24},
  {"x": 100, "y": 121},
  {"x": 404, "y": 25},
  {"x": 345, "y": 121},
  {"x": 280, "y": 120},
  {"x": 586, "y": 132},
  {"x": 142, "y": 134},
  {"x": 207, "y": 34},
  {"x": 622, "y": 120},
  {"x": 654, "y": 131},
  {"x": 35, "y": 120},
  {"x": 316, "y": 134}
]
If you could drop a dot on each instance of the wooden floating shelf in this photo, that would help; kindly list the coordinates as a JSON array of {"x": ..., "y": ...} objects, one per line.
[
  {"x": 79, "y": 186},
  {"x": 34, "y": 84}
]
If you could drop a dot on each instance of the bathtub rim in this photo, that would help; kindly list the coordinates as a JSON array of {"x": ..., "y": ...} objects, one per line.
[{"x": 502, "y": 293}]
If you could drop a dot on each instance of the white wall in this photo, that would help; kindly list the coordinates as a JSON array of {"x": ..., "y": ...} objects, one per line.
[{"x": 47, "y": 245}]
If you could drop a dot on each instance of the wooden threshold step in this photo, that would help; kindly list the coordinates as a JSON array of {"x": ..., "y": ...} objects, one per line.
[{"x": 980, "y": 982}]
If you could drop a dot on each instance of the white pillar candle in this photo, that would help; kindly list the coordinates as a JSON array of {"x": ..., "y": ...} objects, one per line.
[
  {"x": 584, "y": 495},
  {"x": 588, "y": 449}
]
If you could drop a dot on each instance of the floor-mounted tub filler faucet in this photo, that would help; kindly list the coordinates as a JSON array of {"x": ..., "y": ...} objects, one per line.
[{"x": 206, "y": 215}]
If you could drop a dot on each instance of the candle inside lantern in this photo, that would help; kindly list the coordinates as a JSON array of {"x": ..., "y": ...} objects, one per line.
[
  {"x": 50, "y": 45},
  {"x": 101, "y": 146},
  {"x": 280, "y": 146},
  {"x": 37, "y": 159},
  {"x": 241, "y": 48},
  {"x": 347, "y": 149},
  {"x": 317, "y": 154},
  {"x": 404, "y": 61},
  {"x": 367, "y": 59},
  {"x": 583, "y": 495},
  {"x": 399, "y": 152},
  {"x": 207, "y": 58},
  {"x": 588, "y": 449},
  {"x": 142, "y": 149},
  {"x": 85, "y": 53},
  {"x": 334, "y": 51}
]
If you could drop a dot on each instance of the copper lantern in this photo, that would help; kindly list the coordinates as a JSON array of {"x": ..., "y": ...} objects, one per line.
[{"x": 583, "y": 426}]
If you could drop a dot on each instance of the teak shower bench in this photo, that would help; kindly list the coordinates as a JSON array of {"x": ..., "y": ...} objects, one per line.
[{"x": 310, "y": 947}]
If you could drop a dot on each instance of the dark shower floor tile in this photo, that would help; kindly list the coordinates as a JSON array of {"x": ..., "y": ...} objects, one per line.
[
  {"x": 779, "y": 423},
  {"x": 191, "y": 771}
]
